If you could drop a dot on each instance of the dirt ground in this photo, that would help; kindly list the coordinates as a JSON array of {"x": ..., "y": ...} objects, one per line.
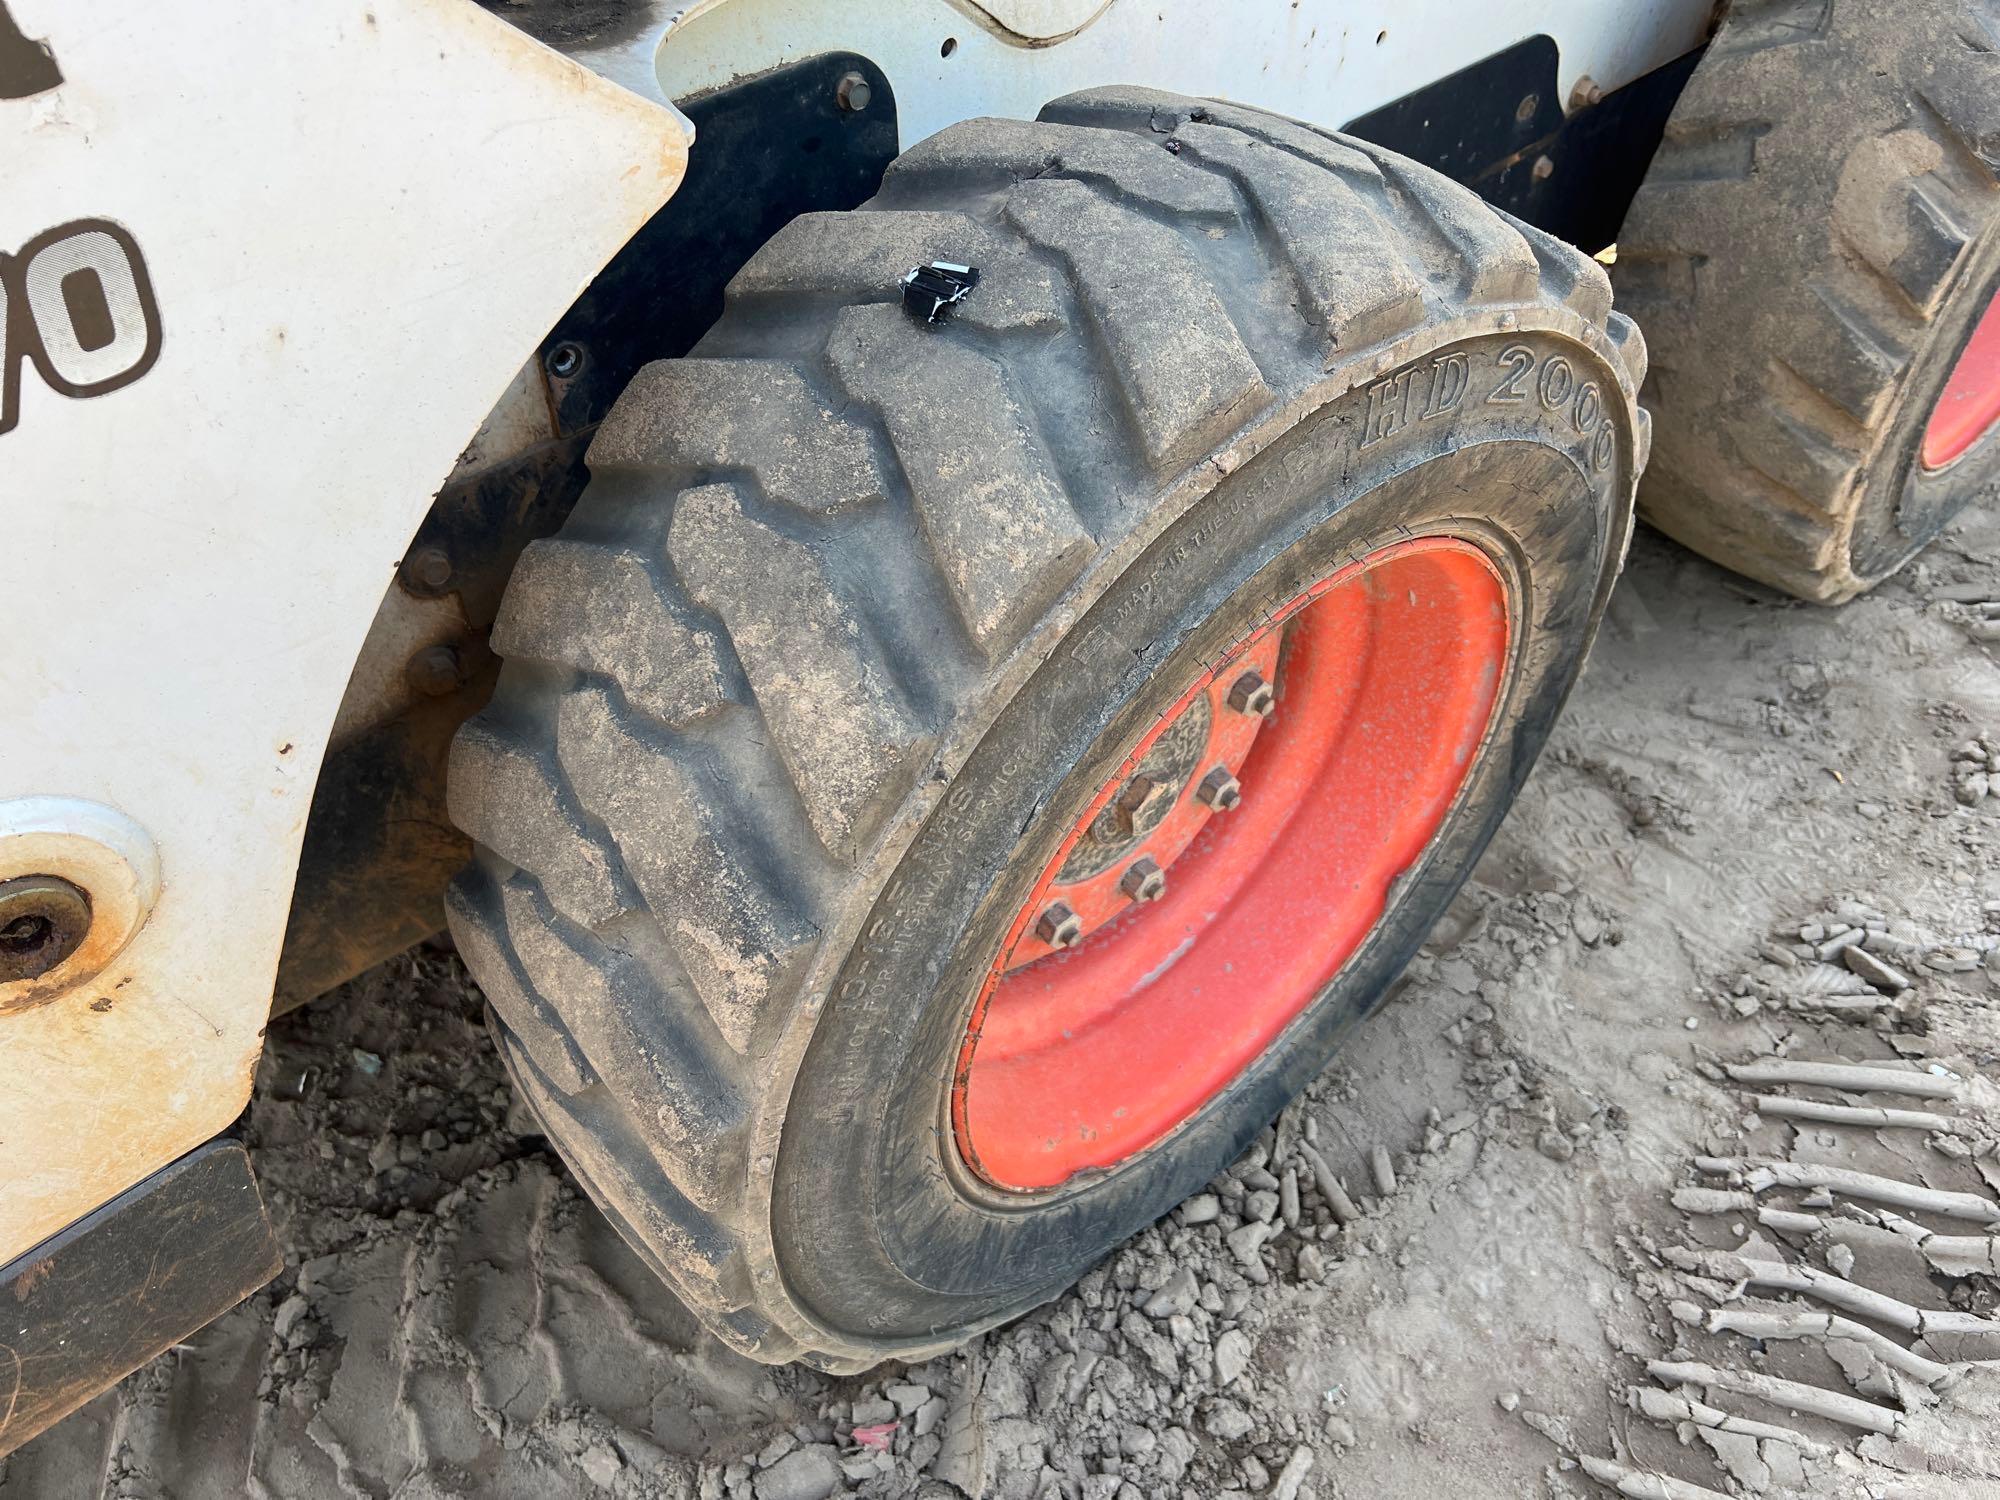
[{"x": 1529, "y": 1236}]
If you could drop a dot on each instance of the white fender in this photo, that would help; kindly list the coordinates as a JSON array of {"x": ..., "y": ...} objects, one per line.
[{"x": 316, "y": 243}]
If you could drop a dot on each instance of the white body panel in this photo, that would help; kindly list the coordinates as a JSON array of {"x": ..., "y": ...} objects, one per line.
[
  {"x": 358, "y": 217},
  {"x": 1039, "y": 20},
  {"x": 1326, "y": 61}
]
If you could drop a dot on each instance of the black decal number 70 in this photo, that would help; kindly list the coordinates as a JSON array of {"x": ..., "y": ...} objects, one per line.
[{"x": 77, "y": 303}]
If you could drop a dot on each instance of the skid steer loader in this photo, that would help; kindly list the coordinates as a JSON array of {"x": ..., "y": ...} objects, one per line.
[{"x": 938, "y": 592}]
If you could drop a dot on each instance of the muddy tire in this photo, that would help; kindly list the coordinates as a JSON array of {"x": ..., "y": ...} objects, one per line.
[
  {"x": 859, "y": 620},
  {"x": 1814, "y": 245}
]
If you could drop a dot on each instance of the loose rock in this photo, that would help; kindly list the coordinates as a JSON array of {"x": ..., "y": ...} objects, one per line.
[{"x": 806, "y": 1474}]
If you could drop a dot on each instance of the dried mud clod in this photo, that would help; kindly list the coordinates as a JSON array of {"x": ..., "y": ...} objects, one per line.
[
  {"x": 1829, "y": 1322},
  {"x": 1855, "y": 963}
]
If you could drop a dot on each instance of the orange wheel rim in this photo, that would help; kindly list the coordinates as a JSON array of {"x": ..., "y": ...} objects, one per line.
[{"x": 1237, "y": 858}]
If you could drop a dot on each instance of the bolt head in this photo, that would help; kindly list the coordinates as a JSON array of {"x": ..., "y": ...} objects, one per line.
[
  {"x": 1059, "y": 927},
  {"x": 1144, "y": 881},
  {"x": 1251, "y": 694},
  {"x": 1220, "y": 790},
  {"x": 1139, "y": 797},
  {"x": 854, "y": 93},
  {"x": 427, "y": 571},
  {"x": 436, "y": 671},
  {"x": 43, "y": 920},
  {"x": 1544, "y": 168}
]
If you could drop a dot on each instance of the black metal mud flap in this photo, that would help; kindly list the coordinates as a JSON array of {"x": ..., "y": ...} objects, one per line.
[
  {"x": 90, "y": 1305},
  {"x": 1499, "y": 127}
]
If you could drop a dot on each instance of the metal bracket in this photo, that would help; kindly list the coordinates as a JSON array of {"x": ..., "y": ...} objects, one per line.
[
  {"x": 766, "y": 150},
  {"x": 1500, "y": 128},
  {"x": 90, "y": 1305}
]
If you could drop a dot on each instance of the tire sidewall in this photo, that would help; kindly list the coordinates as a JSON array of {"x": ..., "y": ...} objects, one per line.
[{"x": 881, "y": 1231}]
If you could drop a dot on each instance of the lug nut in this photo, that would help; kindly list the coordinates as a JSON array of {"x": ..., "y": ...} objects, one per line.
[
  {"x": 1251, "y": 694},
  {"x": 1220, "y": 790},
  {"x": 1145, "y": 881},
  {"x": 1060, "y": 927}
]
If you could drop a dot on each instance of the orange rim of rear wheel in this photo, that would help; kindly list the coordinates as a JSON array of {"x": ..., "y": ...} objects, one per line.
[{"x": 1969, "y": 409}]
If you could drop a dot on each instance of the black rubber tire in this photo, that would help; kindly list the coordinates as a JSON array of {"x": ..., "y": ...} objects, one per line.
[
  {"x": 852, "y": 609},
  {"x": 1811, "y": 250}
]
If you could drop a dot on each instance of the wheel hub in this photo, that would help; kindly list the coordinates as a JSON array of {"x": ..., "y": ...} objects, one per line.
[
  {"x": 1129, "y": 845},
  {"x": 1241, "y": 852}
]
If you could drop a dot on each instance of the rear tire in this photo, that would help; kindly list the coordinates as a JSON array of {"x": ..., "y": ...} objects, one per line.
[
  {"x": 856, "y": 615},
  {"x": 1813, "y": 247}
]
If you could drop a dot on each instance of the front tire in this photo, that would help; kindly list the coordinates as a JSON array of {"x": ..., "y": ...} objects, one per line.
[{"x": 861, "y": 622}]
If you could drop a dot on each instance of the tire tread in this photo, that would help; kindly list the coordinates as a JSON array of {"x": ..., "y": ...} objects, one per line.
[
  {"x": 644, "y": 924},
  {"x": 1823, "y": 181}
]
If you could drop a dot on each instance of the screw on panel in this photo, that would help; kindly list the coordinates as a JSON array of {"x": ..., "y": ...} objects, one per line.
[
  {"x": 1251, "y": 694},
  {"x": 1545, "y": 168},
  {"x": 854, "y": 93},
  {"x": 1145, "y": 881},
  {"x": 1059, "y": 927},
  {"x": 1588, "y": 91},
  {"x": 426, "y": 572},
  {"x": 1220, "y": 790},
  {"x": 43, "y": 920},
  {"x": 436, "y": 671}
]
